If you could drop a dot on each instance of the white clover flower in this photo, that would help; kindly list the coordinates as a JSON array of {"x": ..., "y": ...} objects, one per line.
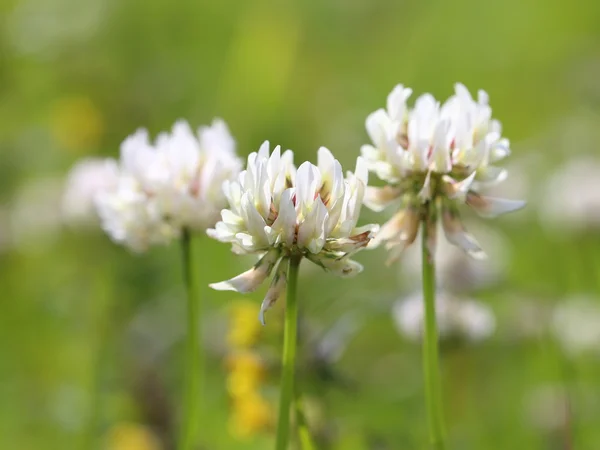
[
  {"x": 86, "y": 180},
  {"x": 547, "y": 407},
  {"x": 170, "y": 185},
  {"x": 456, "y": 317},
  {"x": 571, "y": 199},
  {"x": 434, "y": 156},
  {"x": 576, "y": 325},
  {"x": 279, "y": 212}
]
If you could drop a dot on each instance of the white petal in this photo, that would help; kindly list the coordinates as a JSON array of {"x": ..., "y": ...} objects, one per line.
[
  {"x": 379, "y": 127},
  {"x": 491, "y": 206},
  {"x": 277, "y": 287},
  {"x": 353, "y": 243},
  {"x": 308, "y": 179},
  {"x": 440, "y": 156},
  {"x": 311, "y": 232},
  {"x": 285, "y": 224},
  {"x": 263, "y": 151},
  {"x": 341, "y": 267},
  {"x": 457, "y": 190},
  {"x": 457, "y": 234},
  {"x": 250, "y": 280},
  {"x": 396, "y": 102},
  {"x": 377, "y": 199}
]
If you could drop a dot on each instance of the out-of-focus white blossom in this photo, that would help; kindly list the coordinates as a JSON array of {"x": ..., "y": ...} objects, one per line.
[
  {"x": 571, "y": 198},
  {"x": 86, "y": 180},
  {"x": 455, "y": 270},
  {"x": 434, "y": 157},
  {"x": 467, "y": 319},
  {"x": 576, "y": 325},
  {"x": 547, "y": 408},
  {"x": 170, "y": 185},
  {"x": 279, "y": 212}
]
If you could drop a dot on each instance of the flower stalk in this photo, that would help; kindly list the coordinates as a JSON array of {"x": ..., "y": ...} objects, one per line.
[
  {"x": 289, "y": 355},
  {"x": 430, "y": 335},
  {"x": 191, "y": 397}
]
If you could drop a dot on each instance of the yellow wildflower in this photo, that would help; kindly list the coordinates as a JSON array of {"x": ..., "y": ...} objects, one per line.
[
  {"x": 251, "y": 414},
  {"x": 76, "y": 123},
  {"x": 246, "y": 373},
  {"x": 131, "y": 436},
  {"x": 244, "y": 328}
]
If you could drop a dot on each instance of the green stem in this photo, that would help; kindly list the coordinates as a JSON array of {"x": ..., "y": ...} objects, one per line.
[
  {"x": 430, "y": 346},
  {"x": 102, "y": 312},
  {"x": 191, "y": 399},
  {"x": 289, "y": 355}
]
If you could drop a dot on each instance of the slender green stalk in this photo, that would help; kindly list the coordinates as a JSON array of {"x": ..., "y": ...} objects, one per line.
[
  {"x": 102, "y": 310},
  {"x": 430, "y": 346},
  {"x": 191, "y": 398},
  {"x": 306, "y": 442},
  {"x": 289, "y": 355}
]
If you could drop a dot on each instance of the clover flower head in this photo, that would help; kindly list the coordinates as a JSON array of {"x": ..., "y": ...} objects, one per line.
[
  {"x": 575, "y": 324},
  {"x": 278, "y": 212},
  {"x": 433, "y": 157},
  {"x": 86, "y": 180},
  {"x": 571, "y": 199},
  {"x": 461, "y": 318},
  {"x": 171, "y": 184}
]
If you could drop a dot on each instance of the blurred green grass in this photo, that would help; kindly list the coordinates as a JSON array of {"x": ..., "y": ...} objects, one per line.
[{"x": 302, "y": 74}]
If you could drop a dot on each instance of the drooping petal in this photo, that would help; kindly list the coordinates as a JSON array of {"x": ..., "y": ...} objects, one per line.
[
  {"x": 390, "y": 229},
  {"x": 457, "y": 234},
  {"x": 425, "y": 192},
  {"x": 431, "y": 225},
  {"x": 492, "y": 207},
  {"x": 342, "y": 267},
  {"x": 250, "y": 280},
  {"x": 377, "y": 199},
  {"x": 277, "y": 287},
  {"x": 457, "y": 189},
  {"x": 353, "y": 243}
]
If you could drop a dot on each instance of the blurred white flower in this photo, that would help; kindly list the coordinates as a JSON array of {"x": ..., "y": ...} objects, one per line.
[
  {"x": 279, "y": 212},
  {"x": 86, "y": 180},
  {"x": 547, "y": 408},
  {"x": 576, "y": 325},
  {"x": 571, "y": 199},
  {"x": 467, "y": 319},
  {"x": 171, "y": 185},
  {"x": 434, "y": 157},
  {"x": 39, "y": 26},
  {"x": 455, "y": 270}
]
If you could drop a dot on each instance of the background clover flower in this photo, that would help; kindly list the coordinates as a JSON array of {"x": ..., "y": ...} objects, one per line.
[
  {"x": 279, "y": 212},
  {"x": 171, "y": 184},
  {"x": 86, "y": 180},
  {"x": 433, "y": 157},
  {"x": 456, "y": 317}
]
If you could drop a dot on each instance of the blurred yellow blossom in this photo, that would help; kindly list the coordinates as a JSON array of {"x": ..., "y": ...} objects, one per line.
[
  {"x": 131, "y": 436},
  {"x": 76, "y": 123},
  {"x": 244, "y": 328},
  {"x": 246, "y": 371},
  {"x": 251, "y": 414}
]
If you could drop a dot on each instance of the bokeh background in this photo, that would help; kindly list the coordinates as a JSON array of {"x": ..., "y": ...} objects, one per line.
[{"x": 91, "y": 336}]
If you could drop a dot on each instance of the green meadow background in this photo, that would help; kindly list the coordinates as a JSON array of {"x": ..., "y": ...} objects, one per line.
[{"x": 89, "y": 330}]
